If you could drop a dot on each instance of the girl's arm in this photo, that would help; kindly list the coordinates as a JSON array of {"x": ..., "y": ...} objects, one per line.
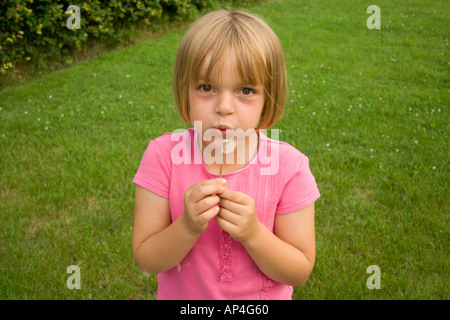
[
  {"x": 158, "y": 244},
  {"x": 288, "y": 254}
]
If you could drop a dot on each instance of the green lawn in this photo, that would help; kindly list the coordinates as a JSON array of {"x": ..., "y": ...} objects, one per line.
[{"x": 368, "y": 107}]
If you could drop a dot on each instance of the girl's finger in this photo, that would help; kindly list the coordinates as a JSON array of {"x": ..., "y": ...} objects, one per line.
[
  {"x": 229, "y": 216},
  {"x": 234, "y": 207},
  {"x": 208, "y": 214},
  {"x": 206, "y": 189},
  {"x": 234, "y": 196},
  {"x": 225, "y": 225},
  {"x": 221, "y": 181},
  {"x": 206, "y": 203}
]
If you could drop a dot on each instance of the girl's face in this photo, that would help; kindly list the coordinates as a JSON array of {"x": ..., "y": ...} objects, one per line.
[{"x": 225, "y": 102}]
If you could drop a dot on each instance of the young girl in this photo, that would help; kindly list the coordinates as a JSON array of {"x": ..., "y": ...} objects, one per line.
[{"x": 239, "y": 226}]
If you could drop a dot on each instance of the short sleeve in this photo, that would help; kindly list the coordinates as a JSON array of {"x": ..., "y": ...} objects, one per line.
[
  {"x": 301, "y": 189},
  {"x": 154, "y": 170}
]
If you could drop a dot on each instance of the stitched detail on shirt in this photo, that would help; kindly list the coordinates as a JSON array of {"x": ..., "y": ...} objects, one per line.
[
  {"x": 226, "y": 270},
  {"x": 264, "y": 292}
]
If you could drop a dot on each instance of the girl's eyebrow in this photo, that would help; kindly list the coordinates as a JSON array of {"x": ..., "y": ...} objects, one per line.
[{"x": 239, "y": 85}]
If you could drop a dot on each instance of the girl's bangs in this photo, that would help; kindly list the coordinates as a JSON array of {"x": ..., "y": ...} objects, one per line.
[{"x": 249, "y": 60}]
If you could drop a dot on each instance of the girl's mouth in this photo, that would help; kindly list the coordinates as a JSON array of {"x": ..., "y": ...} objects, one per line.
[{"x": 223, "y": 130}]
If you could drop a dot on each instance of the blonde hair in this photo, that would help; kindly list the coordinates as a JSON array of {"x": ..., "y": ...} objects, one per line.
[{"x": 260, "y": 58}]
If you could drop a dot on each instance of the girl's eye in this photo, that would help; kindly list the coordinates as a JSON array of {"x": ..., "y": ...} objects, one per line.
[
  {"x": 247, "y": 91},
  {"x": 205, "y": 88}
]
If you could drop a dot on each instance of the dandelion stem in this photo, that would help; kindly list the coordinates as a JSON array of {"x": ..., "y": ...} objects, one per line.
[{"x": 223, "y": 152}]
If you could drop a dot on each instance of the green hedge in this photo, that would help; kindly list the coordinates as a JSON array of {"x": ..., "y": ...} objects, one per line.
[{"x": 30, "y": 28}]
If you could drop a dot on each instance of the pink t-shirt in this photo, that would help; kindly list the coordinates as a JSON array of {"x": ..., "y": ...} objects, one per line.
[{"x": 279, "y": 180}]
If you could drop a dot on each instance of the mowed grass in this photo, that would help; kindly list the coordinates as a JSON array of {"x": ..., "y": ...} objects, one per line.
[{"x": 368, "y": 107}]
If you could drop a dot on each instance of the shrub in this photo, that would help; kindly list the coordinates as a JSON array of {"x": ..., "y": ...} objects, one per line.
[{"x": 33, "y": 29}]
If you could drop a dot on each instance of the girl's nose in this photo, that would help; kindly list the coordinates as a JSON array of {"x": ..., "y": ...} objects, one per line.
[{"x": 225, "y": 103}]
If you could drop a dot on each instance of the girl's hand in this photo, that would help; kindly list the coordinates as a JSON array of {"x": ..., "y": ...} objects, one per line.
[
  {"x": 237, "y": 215},
  {"x": 200, "y": 202}
]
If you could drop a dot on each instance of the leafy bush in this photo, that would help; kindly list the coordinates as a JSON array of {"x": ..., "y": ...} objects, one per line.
[{"x": 30, "y": 29}]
